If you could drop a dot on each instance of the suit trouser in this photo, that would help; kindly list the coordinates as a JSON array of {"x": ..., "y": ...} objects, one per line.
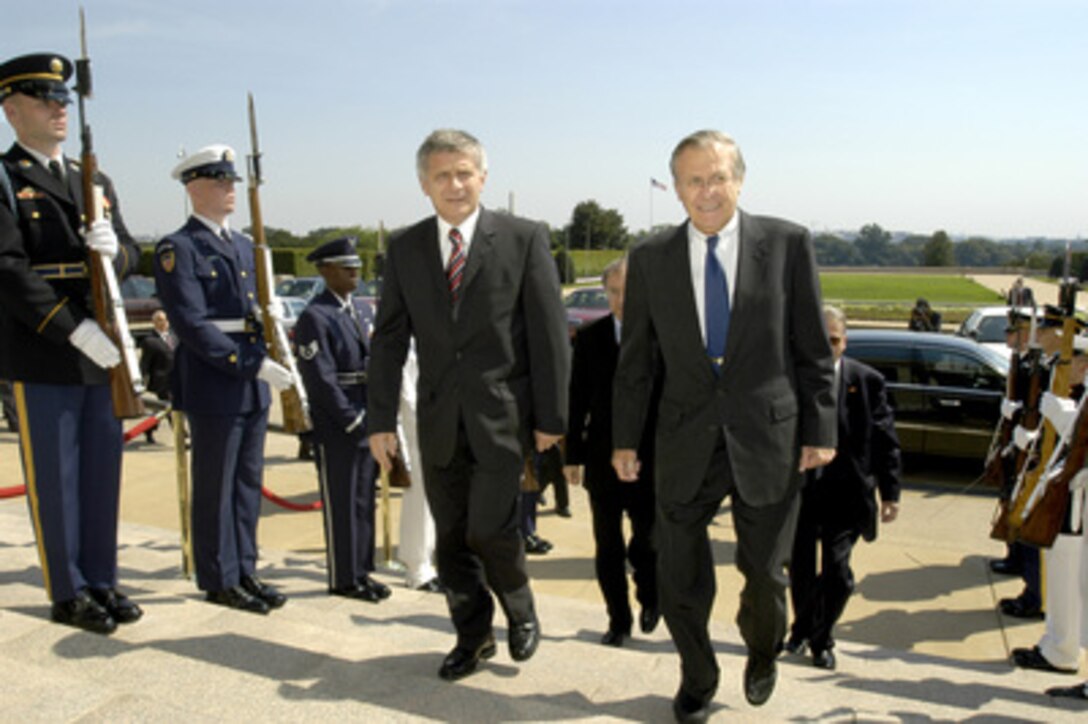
[
  {"x": 1060, "y": 643},
  {"x": 686, "y": 581},
  {"x": 345, "y": 472},
  {"x": 71, "y": 451},
  {"x": 820, "y": 598},
  {"x": 479, "y": 544},
  {"x": 608, "y": 502},
  {"x": 228, "y": 460}
]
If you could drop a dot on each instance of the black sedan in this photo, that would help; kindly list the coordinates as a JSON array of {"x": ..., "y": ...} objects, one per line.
[{"x": 946, "y": 391}]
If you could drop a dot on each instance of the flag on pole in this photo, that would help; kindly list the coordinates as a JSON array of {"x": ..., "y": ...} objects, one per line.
[{"x": 655, "y": 184}]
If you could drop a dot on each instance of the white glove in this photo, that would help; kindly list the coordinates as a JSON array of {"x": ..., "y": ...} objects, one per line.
[
  {"x": 275, "y": 374},
  {"x": 1023, "y": 436},
  {"x": 275, "y": 309},
  {"x": 89, "y": 339},
  {"x": 1009, "y": 407},
  {"x": 1061, "y": 411},
  {"x": 102, "y": 238}
]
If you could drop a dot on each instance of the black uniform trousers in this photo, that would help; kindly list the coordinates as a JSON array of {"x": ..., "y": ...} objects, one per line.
[
  {"x": 819, "y": 598},
  {"x": 71, "y": 451},
  {"x": 478, "y": 540},
  {"x": 608, "y": 502},
  {"x": 346, "y": 474},
  {"x": 228, "y": 459},
  {"x": 686, "y": 581}
]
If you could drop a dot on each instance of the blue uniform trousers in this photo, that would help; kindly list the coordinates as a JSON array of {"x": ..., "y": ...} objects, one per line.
[
  {"x": 71, "y": 451},
  {"x": 346, "y": 474},
  {"x": 228, "y": 457}
]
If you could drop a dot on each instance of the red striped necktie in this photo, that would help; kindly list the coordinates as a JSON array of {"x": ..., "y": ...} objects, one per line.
[{"x": 455, "y": 270}]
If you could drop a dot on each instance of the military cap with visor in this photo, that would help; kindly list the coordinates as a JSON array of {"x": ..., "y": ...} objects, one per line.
[
  {"x": 338, "y": 252},
  {"x": 214, "y": 162},
  {"x": 39, "y": 75}
]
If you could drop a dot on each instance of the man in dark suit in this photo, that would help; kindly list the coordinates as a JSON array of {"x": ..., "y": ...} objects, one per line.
[
  {"x": 589, "y": 457},
  {"x": 206, "y": 277},
  {"x": 156, "y": 361},
  {"x": 480, "y": 293},
  {"x": 333, "y": 336},
  {"x": 730, "y": 303},
  {"x": 838, "y": 503},
  {"x": 55, "y": 354}
]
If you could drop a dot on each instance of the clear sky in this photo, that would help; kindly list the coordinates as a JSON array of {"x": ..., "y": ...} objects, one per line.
[{"x": 918, "y": 115}]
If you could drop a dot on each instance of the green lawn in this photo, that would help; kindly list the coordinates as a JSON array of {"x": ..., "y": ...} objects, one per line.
[{"x": 938, "y": 289}]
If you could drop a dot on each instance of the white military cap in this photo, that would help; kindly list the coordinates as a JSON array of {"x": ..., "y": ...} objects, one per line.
[{"x": 215, "y": 161}]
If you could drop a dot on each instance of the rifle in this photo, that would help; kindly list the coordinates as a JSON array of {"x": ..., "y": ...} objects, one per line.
[
  {"x": 1030, "y": 419},
  {"x": 296, "y": 413},
  {"x": 996, "y": 458},
  {"x": 126, "y": 384}
]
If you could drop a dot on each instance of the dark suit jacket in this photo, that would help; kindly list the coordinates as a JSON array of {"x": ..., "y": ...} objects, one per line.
[
  {"x": 156, "y": 361},
  {"x": 200, "y": 279},
  {"x": 589, "y": 430},
  {"x": 774, "y": 391},
  {"x": 867, "y": 457},
  {"x": 37, "y": 314},
  {"x": 499, "y": 361}
]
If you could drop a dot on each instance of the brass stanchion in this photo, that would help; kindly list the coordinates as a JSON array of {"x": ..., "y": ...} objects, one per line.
[{"x": 182, "y": 460}]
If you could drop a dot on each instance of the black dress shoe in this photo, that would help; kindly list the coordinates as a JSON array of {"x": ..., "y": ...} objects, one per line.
[
  {"x": 1017, "y": 608},
  {"x": 462, "y": 661},
  {"x": 759, "y": 680},
  {"x": 563, "y": 512},
  {"x": 116, "y": 604},
  {"x": 612, "y": 637},
  {"x": 794, "y": 645},
  {"x": 1005, "y": 567},
  {"x": 258, "y": 589},
  {"x": 376, "y": 587},
  {"x": 688, "y": 708},
  {"x": 237, "y": 597},
  {"x": 355, "y": 590},
  {"x": 648, "y": 619},
  {"x": 523, "y": 638},
  {"x": 1079, "y": 691},
  {"x": 1033, "y": 659},
  {"x": 824, "y": 659},
  {"x": 431, "y": 586},
  {"x": 85, "y": 613},
  {"x": 534, "y": 545}
]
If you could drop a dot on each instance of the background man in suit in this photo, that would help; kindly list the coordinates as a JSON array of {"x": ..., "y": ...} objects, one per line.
[
  {"x": 838, "y": 503},
  {"x": 206, "y": 277},
  {"x": 589, "y": 456},
  {"x": 333, "y": 336},
  {"x": 493, "y": 364},
  {"x": 731, "y": 304},
  {"x": 54, "y": 352},
  {"x": 157, "y": 359}
]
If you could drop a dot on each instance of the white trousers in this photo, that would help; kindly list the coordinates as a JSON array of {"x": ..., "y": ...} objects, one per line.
[{"x": 417, "y": 536}]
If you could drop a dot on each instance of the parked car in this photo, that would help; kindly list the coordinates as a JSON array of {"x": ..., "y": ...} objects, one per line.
[
  {"x": 305, "y": 288},
  {"x": 585, "y": 305},
  {"x": 291, "y": 308},
  {"x": 946, "y": 390},
  {"x": 138, "y": 294},
  {"x": 986, "y": 325}
]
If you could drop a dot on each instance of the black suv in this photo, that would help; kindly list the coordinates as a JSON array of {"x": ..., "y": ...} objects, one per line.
[{"x": 946, "y": 391}]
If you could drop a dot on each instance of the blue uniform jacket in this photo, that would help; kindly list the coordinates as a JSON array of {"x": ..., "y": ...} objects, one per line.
[
  {"x": 201, "y": 279},
  {"x": 330, "y": 346}
]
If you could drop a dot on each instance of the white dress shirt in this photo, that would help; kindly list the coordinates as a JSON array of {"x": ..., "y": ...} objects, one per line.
[
  {"x": 726, "y": 251},
  {"x": 467, "y": 229}
]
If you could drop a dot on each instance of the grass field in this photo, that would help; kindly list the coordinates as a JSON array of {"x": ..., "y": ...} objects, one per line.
[{"x": 938, "y": 289}]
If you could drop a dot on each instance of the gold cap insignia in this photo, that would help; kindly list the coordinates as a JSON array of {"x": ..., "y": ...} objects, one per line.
[
  {"x": 228, "y": 155},
  {"x": 56, "y": 66}
]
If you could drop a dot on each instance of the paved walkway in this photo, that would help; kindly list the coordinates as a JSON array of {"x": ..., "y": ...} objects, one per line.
[{"x": 920, "y": 640}]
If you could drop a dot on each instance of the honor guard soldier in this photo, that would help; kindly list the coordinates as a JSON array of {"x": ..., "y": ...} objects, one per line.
[
  {"x": 206, "y": 280},
  {"x": 333, "y": 337},
  {"x": 56, "y": 354}
]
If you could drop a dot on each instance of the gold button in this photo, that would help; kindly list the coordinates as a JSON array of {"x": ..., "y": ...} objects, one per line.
[
  {"x": 214, "y": 273},
  {"x": 233, "y": 359},
  {"x": 35, "y": 215},
  {"x": 253, "y": 340},
  {"x": 244, "y": 275},
  {"x": 249, "y": 294}
]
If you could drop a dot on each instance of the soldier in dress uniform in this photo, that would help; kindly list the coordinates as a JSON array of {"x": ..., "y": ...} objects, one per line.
[
  {"x": 57, "y": 356},
  {"x": 206, "y": 279},
  {"x": 333, "y": 338}
]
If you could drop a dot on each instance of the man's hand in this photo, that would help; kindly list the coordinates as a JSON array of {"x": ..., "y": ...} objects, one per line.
[
  {"x": 627, "y": 465},
  {"x": 814, "y": 457},
  {"x": 275, "y": 374},
  {"x": 573, "y": 474},
  {"x": 383, "y": 448},
  {"x": 889, "y": 511},
  {"x": 102, "y": 238},
  {"x": 545, "y": 440},
  {"x": 89, "y": 339}
]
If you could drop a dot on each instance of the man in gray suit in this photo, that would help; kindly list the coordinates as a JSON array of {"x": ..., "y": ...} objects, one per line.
[
  {"x": 728, "y": 305},
  {"x": 480, "y": 293}
]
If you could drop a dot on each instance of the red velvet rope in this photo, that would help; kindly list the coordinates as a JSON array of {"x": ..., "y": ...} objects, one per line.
[
  {"x": 284, "y": 503},
  {"x": 12, "y": 492}
]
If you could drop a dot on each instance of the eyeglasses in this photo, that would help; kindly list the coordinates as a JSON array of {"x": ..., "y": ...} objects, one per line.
[{"x": 835, "y": 339}]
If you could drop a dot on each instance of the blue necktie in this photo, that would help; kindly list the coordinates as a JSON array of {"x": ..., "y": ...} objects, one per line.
[{"x": 717, "y": 305}]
